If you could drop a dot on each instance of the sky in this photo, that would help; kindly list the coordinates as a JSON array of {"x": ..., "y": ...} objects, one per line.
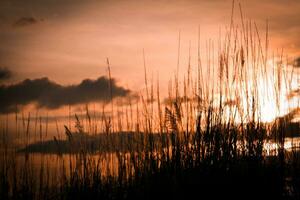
[{"x": 63, "y": 43}]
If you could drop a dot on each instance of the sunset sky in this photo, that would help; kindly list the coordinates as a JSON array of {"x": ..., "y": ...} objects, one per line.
[
  {"x": 68, "y": 41},
  {"x": 139, "y": 99}
]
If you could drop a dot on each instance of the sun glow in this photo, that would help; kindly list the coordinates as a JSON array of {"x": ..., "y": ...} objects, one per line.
[
  {"x": 264, "y": 94},
  {"x": 274, "y": 91}
]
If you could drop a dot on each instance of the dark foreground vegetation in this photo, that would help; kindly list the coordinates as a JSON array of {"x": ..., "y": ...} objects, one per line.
[{"x": 213, "y": 162}]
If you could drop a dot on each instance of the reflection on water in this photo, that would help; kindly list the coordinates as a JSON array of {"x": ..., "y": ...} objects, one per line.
[
  {"x": 107, "y": 163},
  {"x": 271, "y": 147},
  {"x": 53, "y": 167}
]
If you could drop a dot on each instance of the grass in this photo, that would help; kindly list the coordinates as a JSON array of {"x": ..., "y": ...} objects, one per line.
[{"x": 205, "y": 140}]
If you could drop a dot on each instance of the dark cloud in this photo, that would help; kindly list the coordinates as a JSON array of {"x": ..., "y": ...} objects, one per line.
[
  {"x": 48, "y": 94},
  {"x": 4, "y": 74},
  {"x": 25, "y": 21}
]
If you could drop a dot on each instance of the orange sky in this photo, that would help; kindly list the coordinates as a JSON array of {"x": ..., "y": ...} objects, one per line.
[{"x": 70, "y": 40}]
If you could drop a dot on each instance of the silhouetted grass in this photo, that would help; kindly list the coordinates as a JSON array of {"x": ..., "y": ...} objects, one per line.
[{"x": 206, "y": 140}]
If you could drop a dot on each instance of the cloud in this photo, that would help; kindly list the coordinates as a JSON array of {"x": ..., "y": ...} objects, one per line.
[
  {"x": 5, "y": 74},
  {"x": 25, "y": 21},
  {"x": 48, "y": 94}
]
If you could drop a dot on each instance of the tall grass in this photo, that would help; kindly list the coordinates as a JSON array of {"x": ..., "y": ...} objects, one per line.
[{"x": 206, "y": 138}]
